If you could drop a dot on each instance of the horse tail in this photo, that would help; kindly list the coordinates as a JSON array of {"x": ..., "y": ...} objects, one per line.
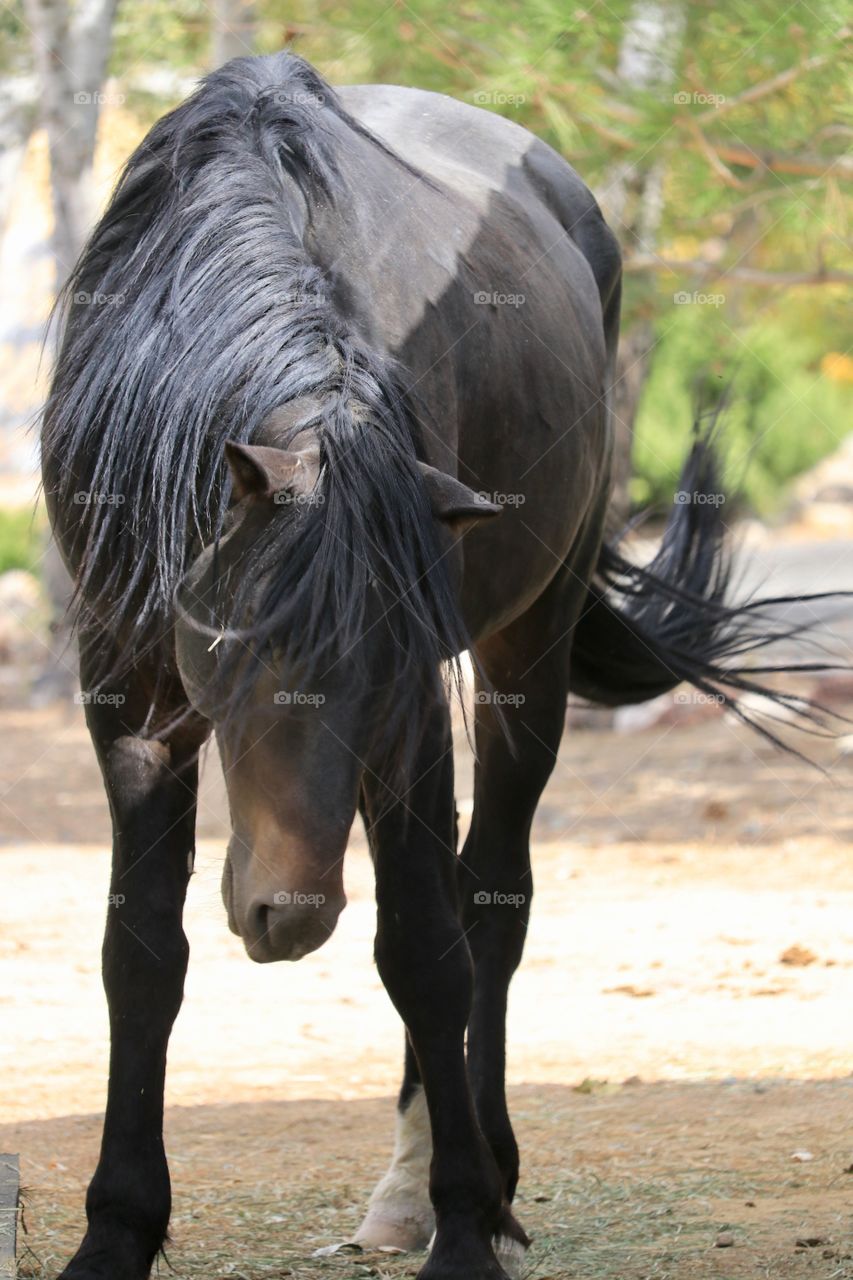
[{"x": 646, "y": 628}]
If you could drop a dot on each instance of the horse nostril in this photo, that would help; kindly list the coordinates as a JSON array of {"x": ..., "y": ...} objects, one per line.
[
  {"x": 258, "y": 922},
  {"x": 289, "y": 930}
]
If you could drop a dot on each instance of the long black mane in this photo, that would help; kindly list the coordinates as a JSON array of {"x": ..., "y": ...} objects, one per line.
[{"x": 193, "y": 314}]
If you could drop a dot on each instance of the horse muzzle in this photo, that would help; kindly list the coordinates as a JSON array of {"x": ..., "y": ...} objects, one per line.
[{"x": 277, "y": 923}]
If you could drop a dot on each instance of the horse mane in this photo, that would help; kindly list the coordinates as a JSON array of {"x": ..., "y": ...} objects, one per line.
[{"x": 194, "y": 313}]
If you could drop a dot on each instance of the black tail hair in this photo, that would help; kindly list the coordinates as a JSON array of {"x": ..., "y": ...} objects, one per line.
[{"x": 648, "y": 628}]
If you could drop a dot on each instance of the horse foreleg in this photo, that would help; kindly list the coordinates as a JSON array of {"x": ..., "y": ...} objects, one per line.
[
  {"x": 152, "y": 792},
  {"x": 527, "y": 666},
  {"x": 425, "y": 964}
]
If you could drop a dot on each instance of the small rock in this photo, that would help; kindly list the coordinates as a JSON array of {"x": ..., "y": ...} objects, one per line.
[
  {"x": 589, "y": 1085},
  {"x": 801, "y": 1157},
  {"x": 798, "y": 957},
  {"x": 725, "y": 1240},
  {"x": 811, "y": 1242}
]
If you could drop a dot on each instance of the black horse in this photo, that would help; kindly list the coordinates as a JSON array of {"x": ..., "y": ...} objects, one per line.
[{"x": 331, "y": 407}]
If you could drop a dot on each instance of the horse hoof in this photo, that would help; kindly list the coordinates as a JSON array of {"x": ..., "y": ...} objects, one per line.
[
  {"x": 489, "y": 1269},
  {"x": 446, "y": 1262},
  {"x": 409, "y": 1232}
]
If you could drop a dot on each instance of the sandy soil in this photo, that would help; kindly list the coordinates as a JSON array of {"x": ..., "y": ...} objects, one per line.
[{"x": 680, "y": 1028}]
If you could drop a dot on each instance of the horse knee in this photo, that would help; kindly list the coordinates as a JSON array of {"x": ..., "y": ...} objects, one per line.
[{"x": 427, "y": 971}]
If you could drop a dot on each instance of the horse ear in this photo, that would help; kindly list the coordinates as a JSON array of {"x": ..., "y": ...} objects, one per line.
[
  {"x": 453, "y": 503},
  {"x": 259, "y": 471}
]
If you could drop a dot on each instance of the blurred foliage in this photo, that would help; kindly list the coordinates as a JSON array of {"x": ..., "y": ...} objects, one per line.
[
  {"x": 788, "y": 401},
  {"x": 22, "y": 537},
  {"x": 741, "y": 82}
]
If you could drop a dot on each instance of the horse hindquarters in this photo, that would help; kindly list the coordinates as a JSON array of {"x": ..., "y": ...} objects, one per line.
[{"x": 152, "y": 793}]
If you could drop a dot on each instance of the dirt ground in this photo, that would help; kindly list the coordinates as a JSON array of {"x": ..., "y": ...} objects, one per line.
[{"x": 680, "y": 1032}]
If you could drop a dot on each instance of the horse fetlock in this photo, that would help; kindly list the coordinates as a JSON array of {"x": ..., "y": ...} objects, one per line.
[
  {"x": 114, "y": 1250},
  {"x": 510, "y": 1228},
  {"x": 457, "y": 1253},
  {"x": 466, "y": 1232},
  {"x": 131, "y": 1199},
  {"x": 473, "y": 1193},
  {"x": 481, "y": 1245}
]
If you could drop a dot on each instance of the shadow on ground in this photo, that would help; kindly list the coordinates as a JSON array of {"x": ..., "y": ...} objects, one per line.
[{"x": 620, "y": 1182}]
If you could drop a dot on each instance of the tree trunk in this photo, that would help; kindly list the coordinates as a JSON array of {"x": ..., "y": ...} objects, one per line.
[
  {"x": 233, "y": 30},
  {"x": 632, "y": 199},
  {"x": 71, "y": 52},
  {"x": 18, "y": 114}
]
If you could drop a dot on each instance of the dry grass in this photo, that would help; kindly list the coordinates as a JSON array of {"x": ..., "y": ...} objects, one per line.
[{"x": 632, "y": 1184}]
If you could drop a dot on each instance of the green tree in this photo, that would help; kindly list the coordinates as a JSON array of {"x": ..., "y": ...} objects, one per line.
[{"x": 716, "y": 135}]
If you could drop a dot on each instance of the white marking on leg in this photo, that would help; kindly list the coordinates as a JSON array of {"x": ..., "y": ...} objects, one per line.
[{"x": 399, "y": 1213}]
